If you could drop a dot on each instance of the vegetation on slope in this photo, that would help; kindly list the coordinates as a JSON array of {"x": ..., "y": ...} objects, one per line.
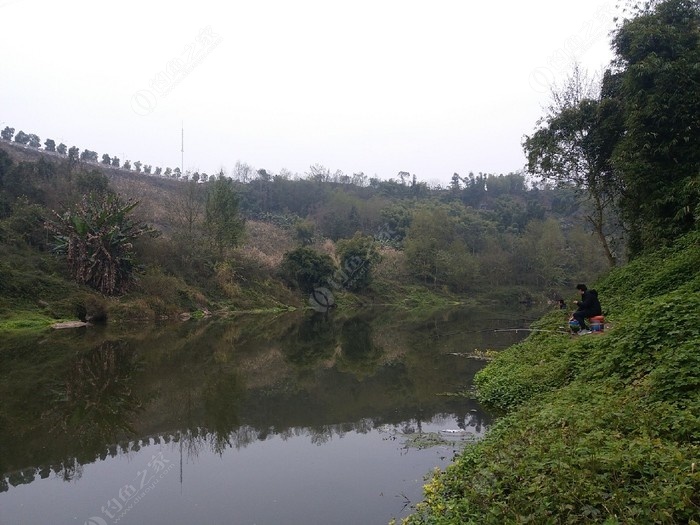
[
  {"x": 600, "y": 428},
  {"x": 227, "y": 245}
]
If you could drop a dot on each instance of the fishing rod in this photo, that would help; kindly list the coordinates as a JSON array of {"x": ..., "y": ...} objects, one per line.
[{"x": 516, "y": 330}]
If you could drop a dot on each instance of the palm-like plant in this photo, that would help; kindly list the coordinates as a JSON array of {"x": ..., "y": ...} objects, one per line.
[{"x": 96, "y": 236}]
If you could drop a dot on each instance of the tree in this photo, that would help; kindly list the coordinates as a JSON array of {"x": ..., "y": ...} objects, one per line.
[
  {"x": 147, "y": 169},
  {"x": 542, "y": 255},
  {"x": 305, "y": 230},
  {"x": 306, "y": 268},
  {"x": 159, "y": 171},
  {"x": 88, "y": 156},
  {"x": 50, "y": 145},
  {"x": 137, "y": 166},
  {"x": 454, "y": 183},
  {"x": 34, "y": 141},
  {"x": 22, "y": 138},
  {"x": 574, "y": 145},
  {"x": 186, "y": 210},
  {"x": 73, "y": 154},
  {"x": 318, "y": 173},
  {"x": 115, "y": 162},
  {"x": 127, "y": 164},
  {"x": 61, "y": 148},
  {"x": 177, "y": 173},
  {"x": 357, "y": 257},
  {"x": 92, "y": 182},
  {"x": 97, "y": 238},
  {"x": 223, "y": 222},
  {"x": 658, "y": 53},
  {"x": 242, "y": 172},
  {"x": 168, "y": 172},
  {"x": 431, "y": 232},
  {"x": 106, "y": 159},
  {"x": 359, "y": 179},
  {"x": 7, "y": 133}
]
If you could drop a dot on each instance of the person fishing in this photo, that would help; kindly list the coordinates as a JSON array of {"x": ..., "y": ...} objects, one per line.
[{"x": 588, "y": 306}]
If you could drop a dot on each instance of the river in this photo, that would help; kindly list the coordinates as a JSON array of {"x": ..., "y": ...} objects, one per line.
[{"x": 293, "y": 419}]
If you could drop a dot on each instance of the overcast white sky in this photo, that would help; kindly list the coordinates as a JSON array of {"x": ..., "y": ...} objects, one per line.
[{"x": 379, "y": 86}]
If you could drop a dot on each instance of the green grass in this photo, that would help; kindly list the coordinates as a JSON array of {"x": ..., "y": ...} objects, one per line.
[
  {"x": 599, "y": 429},
  {"x": 25, "y": 322}
]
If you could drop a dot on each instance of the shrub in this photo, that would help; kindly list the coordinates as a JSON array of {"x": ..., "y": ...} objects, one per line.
[{"x": 306, "y": 269}]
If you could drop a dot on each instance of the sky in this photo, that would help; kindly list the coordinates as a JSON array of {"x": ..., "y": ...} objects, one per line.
[{"x": 382, "y": 86}]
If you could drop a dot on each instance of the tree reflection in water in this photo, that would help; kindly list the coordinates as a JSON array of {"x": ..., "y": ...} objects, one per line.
[
  {"x": 227, "y": 384},
  {"x": 360, "y": 355},
  {"x": 313, "y": 340},
  {"x": 95, "y": 401}
]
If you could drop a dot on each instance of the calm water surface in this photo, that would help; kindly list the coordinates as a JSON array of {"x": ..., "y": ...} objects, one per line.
[{"x": 293, "y": 419}]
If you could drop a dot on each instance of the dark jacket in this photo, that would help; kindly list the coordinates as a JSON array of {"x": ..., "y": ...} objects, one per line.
[{"x": 590, "y": 304}]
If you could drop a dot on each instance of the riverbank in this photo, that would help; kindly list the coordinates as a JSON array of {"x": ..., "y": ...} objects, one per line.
[
  {"x": 599, "y": 428},
  {"x": 36, "y": 293}
]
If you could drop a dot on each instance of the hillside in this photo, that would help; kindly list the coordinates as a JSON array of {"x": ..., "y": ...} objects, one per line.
[
  {"x": 487, "y": 237},
  {"x": 601, "y": 428}
]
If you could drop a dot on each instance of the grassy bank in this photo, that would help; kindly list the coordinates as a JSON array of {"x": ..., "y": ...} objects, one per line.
[
  {"x": 600, "y": 428},
  {"x": 36, "y": 292}
]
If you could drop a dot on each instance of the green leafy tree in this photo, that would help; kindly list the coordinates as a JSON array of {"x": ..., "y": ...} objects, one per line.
[
  {"x": 147, "y": 169},
  {"x": 73, "y": 154},
  {"x": 34, "y": 141},
  {"x": 305, "y": 230},
  {"x": 92, "y": 182},
  {"x": 50, "y": 145},
  {"x": 357, "y": 257},
  {"x": 574, "y": 145},
  {"x": 88, "y": 156},
  {"x": 438, "y": 249},
  {"x": 115, "y": 162},
  {"x": 223, "y": 221},
  {"x": 306, "y": 268},
  {"x": 106, "y": 159},
  {"x": 431, "y": 232},
  {"x": 454, "y": 183},
  {"x": 62, "y": 148},
  {"x": 658, "y": 52},
  {"x": 397, "y": 218},
  {"x": 7, "y": 133},
  {"x": 127, "y": 164},
  {"x": 543, "y": 256},
  {"x": 97, "y": 238},
  {"x": 22, "y": 138},
  {"x": 137, "y": 166}
]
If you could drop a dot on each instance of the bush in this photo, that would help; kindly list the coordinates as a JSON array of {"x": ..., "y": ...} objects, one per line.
[{"x": 306, "y": 269}]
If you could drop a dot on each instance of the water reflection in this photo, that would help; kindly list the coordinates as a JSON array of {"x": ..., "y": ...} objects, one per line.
[
  {"x": 95, "y": 400},
  {"x": 75, "y": 399}
]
